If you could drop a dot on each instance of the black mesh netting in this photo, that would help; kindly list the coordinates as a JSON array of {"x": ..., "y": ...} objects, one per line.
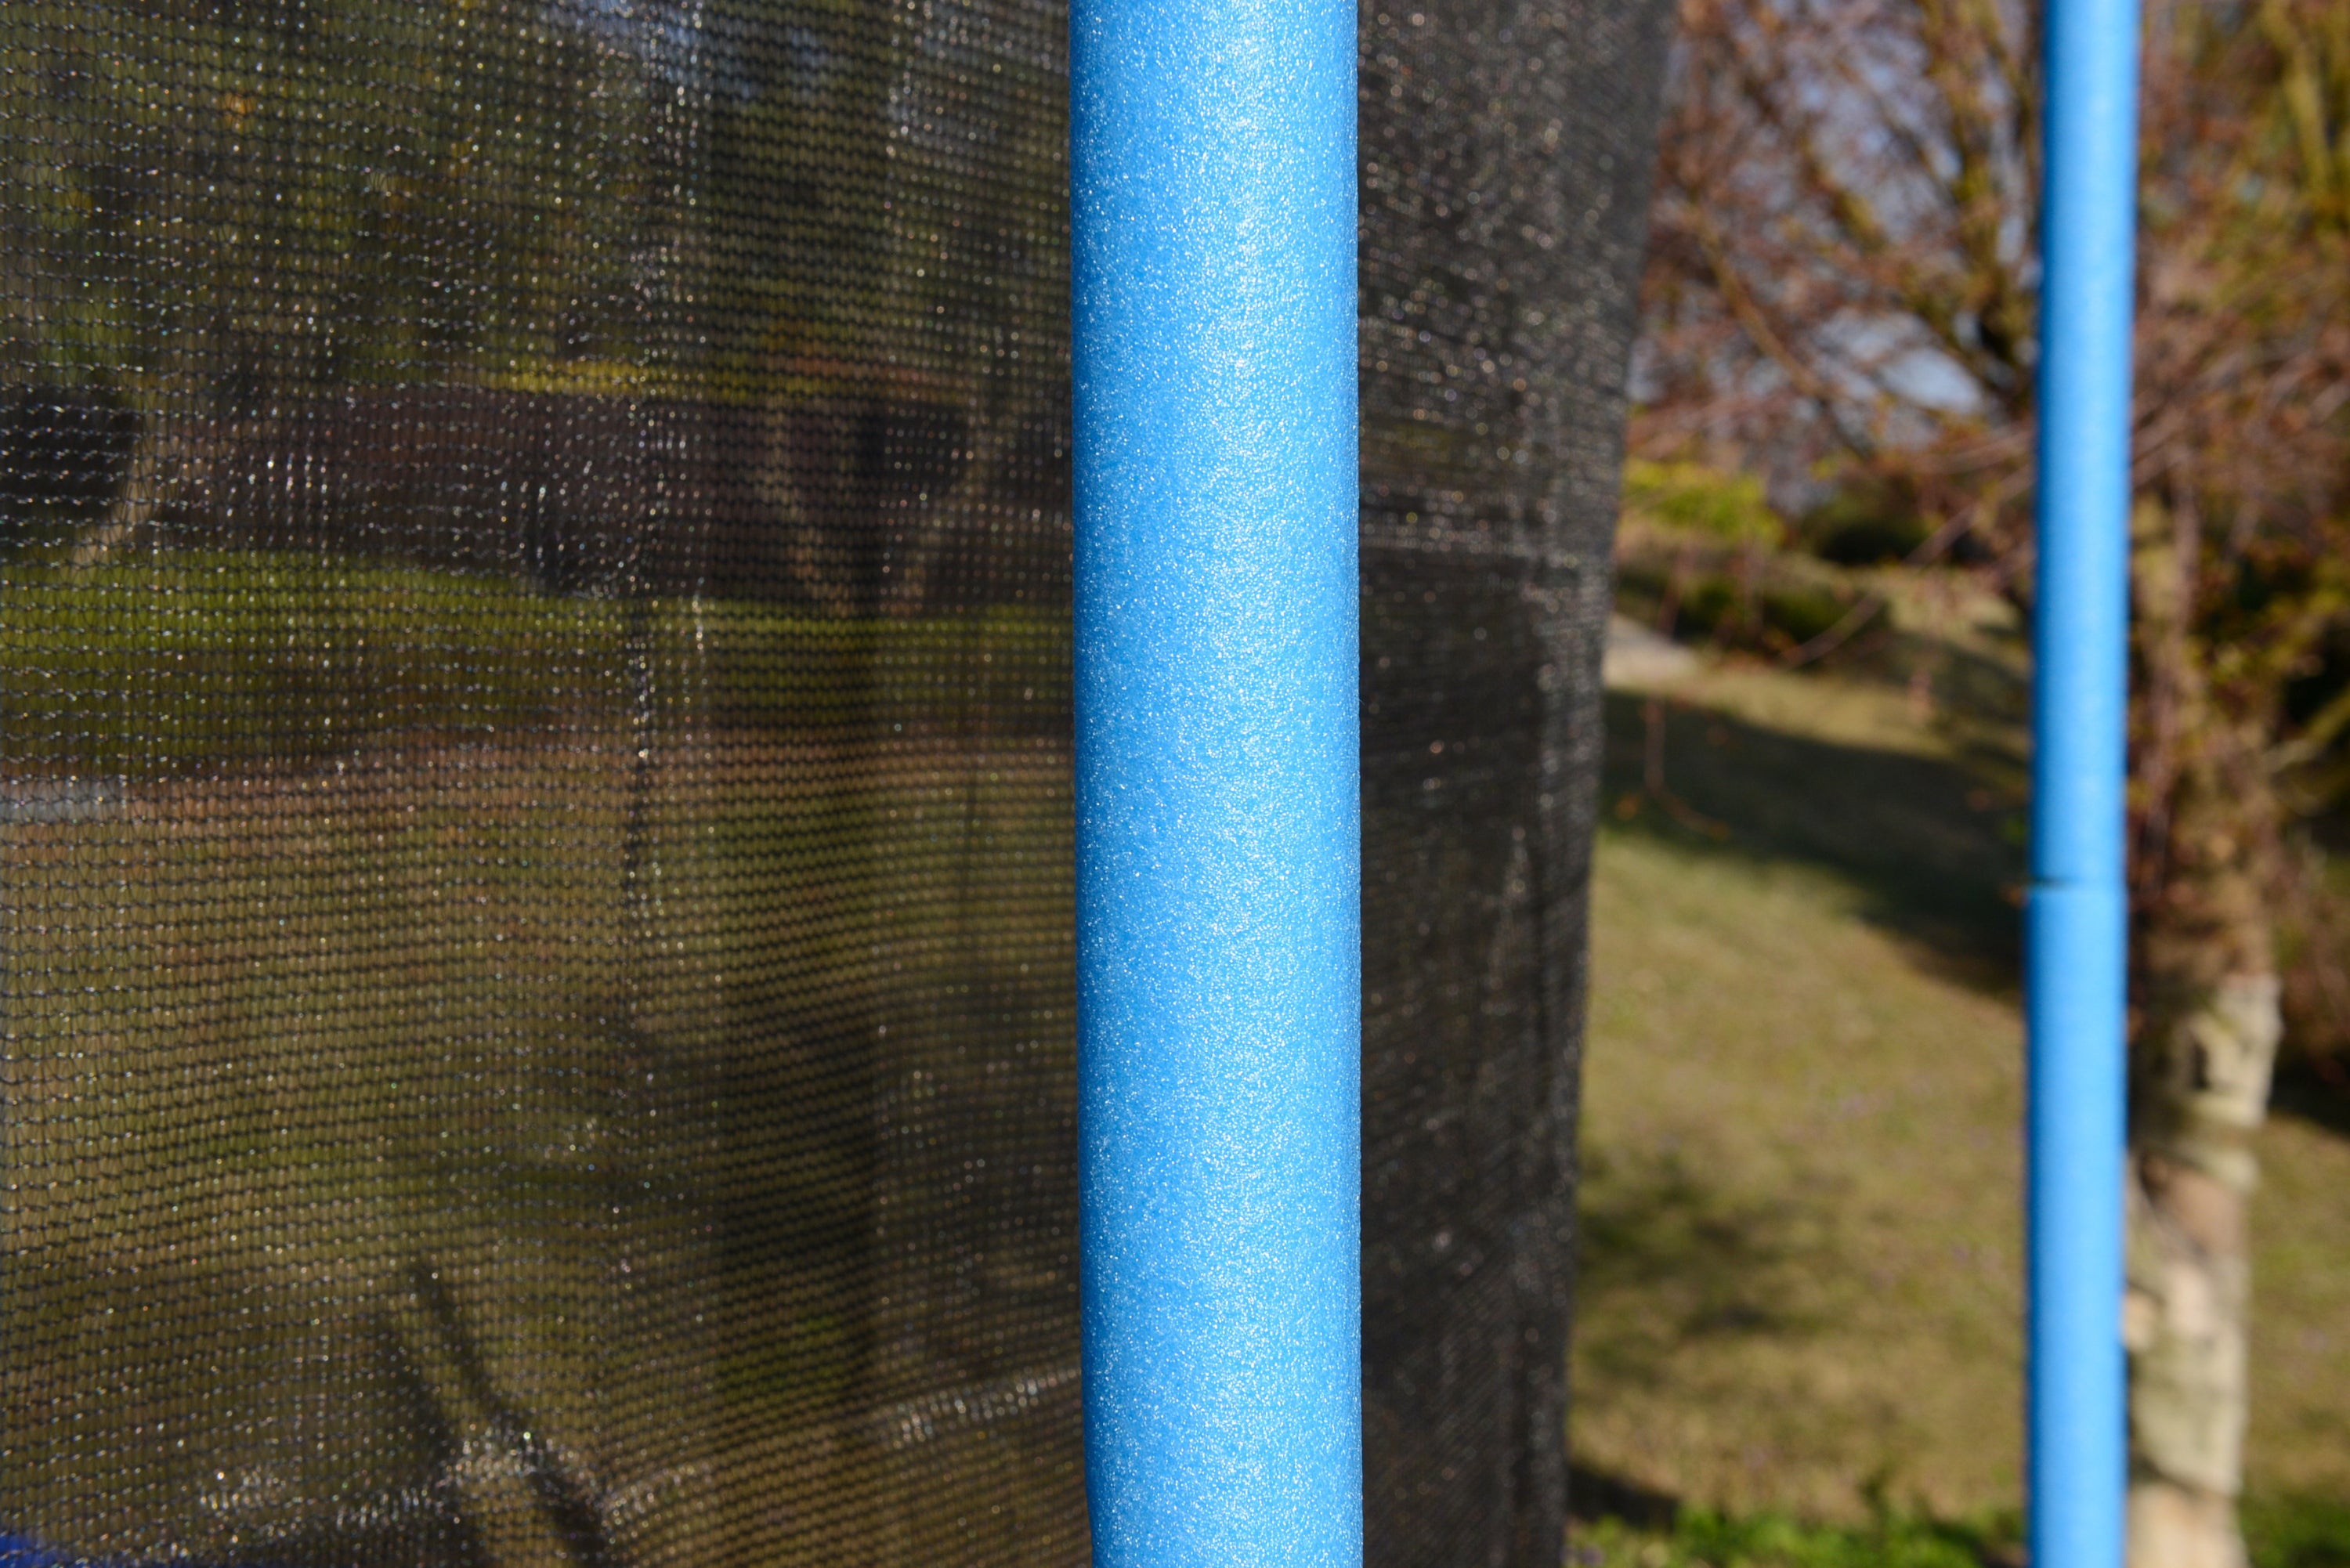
[{"x": 534, "y": 718}]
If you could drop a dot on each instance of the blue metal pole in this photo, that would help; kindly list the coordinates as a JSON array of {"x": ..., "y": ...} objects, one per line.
[
  {"x": 1218, "y": 914},
  {"x": 2076, "y": 920}
]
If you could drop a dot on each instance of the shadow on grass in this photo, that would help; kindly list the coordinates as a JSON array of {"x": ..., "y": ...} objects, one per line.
[
  {"x": 1593, "y": 1495},
  {"x": 2309, "y": 1092},
  {"x": 1938, "y": 853},
  {"x": 1666, "y": 1262}
]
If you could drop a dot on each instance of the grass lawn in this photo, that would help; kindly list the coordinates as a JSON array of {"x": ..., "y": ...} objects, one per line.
[
  {"x": 1801, "y": 1288},
  {"x": 464, "y": 1081}
]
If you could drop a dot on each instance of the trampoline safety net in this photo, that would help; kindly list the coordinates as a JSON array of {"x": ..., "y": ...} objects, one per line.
[{"x": 534, "y": 725}]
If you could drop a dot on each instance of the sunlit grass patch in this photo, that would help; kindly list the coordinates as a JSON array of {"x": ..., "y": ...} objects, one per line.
[{"x": 183, "y": 661}]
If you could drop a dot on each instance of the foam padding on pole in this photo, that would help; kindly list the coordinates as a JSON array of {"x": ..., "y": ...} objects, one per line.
[
  {"x": 1218, "y": 961},
  {"x": 2075, "y": 968}
]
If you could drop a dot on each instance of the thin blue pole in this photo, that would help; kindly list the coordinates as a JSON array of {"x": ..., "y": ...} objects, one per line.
[
  {"x": 2077, "y": 920},
  {"x": 1218, "y": 915}
]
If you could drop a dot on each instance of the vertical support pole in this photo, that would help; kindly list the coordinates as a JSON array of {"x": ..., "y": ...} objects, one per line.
[
  {"x": 1219, "y": 899},
  {"x": 2076, "y": 920}
]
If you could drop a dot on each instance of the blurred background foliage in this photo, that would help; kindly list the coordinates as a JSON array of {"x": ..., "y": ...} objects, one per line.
[{"x": 1830, "y": 495}]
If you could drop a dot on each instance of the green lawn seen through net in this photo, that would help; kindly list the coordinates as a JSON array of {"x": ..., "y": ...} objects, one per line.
[{"x": 466, "y": 983}]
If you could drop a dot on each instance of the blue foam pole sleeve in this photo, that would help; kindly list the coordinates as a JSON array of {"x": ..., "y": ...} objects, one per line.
[
  {"x": 1217, "y": 765},
  {"x": 2076, "y": 929},
  {"x": 2076, "y": 1127}
]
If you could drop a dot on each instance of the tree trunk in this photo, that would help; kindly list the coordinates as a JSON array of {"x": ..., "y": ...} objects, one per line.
[
  {"x": 2207, "y": 1030},
  {"x": 2189, "y": 1274}
]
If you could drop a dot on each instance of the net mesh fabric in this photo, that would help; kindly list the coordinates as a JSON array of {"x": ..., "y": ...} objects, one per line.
[{"x": 534, "y": 911}]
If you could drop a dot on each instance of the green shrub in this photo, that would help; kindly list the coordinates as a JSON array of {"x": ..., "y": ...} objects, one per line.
[
  {"x": 1776, "y": 617},
  {"x": 1797, "y": 613},
  {"x": 1711, "y": 606},
  {"x": 1731, "y": 507},
  {"x": 1699, "y": 1539},
  {"x": 1864, "y": 525}
]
